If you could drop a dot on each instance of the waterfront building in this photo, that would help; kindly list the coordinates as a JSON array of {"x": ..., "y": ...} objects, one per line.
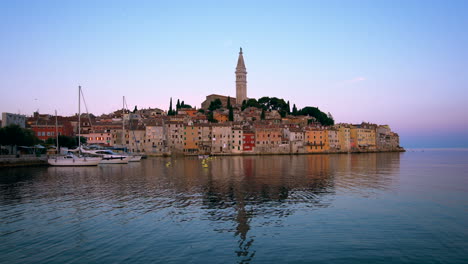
[
  {"x": 136, "y": 139},
  {"x": 237, "y": 138},
  {"x": 363, "y": 136},
  {"x": 316, "y": 140},
  {"x": 192, "y": 137},
  {"x": 268, "y": 138},
  {"x": 205, "y": 143},
  {"x": 175, "y": 133},
  {"x": 333, "y": 141},
  {"x": 155, "y": 138},
  {"x": 295, "y": 137},
  {"x": 13, "y": 119},
  {"x": 344, "y": 137},
  {"x": 99, "y": 137},
  {"x": 248, "y": 140},
  {"x": 221, "y": 138}
]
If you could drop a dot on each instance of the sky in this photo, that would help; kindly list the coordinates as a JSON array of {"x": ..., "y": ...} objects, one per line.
[{"x": 401, "y": 63}]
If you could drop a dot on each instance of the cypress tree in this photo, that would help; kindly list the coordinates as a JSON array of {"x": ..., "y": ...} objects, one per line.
[
  {"x": 177, "y": 105},
  {"x": 262, "y": 116},
  {"x": 294, "y": 111},
  {"x": 170, "y": 107},
  {"x": 289, "y": 108},
  {"x": 231, "y": 113},
  {"x": 229, "y": 102}
]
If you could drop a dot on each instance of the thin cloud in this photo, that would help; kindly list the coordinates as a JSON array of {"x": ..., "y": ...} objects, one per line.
[
  {"x": 351, "y": 81},
  {"x": 354, "y": 80}
]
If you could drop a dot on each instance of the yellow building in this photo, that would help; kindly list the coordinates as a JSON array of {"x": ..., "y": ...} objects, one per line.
[
  {"x": 344, "y": 137},
  {"x": 316, "y": 140},
  {"x": 363, "y": 136}
]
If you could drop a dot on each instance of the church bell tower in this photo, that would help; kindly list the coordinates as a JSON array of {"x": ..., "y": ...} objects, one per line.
[{"x": 241, "y": 79}]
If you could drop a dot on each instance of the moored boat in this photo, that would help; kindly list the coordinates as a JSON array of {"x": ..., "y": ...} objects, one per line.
[{"x": 72, "y": 160}]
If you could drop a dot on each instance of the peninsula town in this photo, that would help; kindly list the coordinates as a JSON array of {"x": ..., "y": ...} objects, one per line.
[{"x": 223, "y": 125}]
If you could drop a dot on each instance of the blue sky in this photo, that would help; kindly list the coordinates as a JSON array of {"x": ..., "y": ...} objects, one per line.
[{"x": 402, "y": 63}]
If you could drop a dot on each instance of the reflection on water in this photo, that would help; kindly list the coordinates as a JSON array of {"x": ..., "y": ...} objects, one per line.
[{"x": 58, "y": 207}]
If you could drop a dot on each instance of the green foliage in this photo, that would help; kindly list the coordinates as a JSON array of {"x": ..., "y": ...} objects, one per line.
[
  {"x": 231, "y": 114},
  {"x": 170, "y": 111},
  {"x": 185, "y": 106},
  {"x": 294, "y": 111},
  {"x": 273, "y": 103},
  {"x": 215, "y": 104},
  {"x": 178, "y": 104},
  {"x": 324, "y": 119},
  {"x": 15, "y": 135},
  {"x": 211, "y": 118},
  {"x": 135, "y": 109},
  {"x": 228, "y": 102},
  {"x": 201, "y": 110},
  {"x": 250, "y": 103},
  {"x": 66, "y": 141},
  {"x": 262, "y": 116}
]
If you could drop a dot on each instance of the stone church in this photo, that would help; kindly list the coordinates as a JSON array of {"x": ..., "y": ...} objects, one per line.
[{"x": 241, "y": 86}]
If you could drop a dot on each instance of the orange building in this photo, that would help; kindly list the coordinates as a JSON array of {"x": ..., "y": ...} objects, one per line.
[
  {"x": 192, "y": 138},
  {"x": 316, "y": 140},
  {"x": 268, "y": 138},
  {"x": 220, "y": 117}
]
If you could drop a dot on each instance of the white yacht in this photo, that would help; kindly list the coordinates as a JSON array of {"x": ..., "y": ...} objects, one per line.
[
  {"x": 108, "y": 156},
  {"x": 71, "y": 159}
]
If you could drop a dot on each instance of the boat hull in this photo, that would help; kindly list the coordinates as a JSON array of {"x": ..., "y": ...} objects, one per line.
[
  {"x": 115, "y": 160},
  {"x": 74, "y": 162},
  {"x": 135, "y": 158}
]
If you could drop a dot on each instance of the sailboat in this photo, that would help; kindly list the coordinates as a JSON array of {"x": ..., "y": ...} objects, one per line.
[{"x": 70, "y": 159}]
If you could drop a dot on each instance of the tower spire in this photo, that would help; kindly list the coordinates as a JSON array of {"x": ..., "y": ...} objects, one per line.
[{"x": 241, "y": 79}]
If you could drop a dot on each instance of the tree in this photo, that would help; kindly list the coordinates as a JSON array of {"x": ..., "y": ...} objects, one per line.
[
  {"x": 231, "y": 114},
  {"x": 211, "y": 118},
  {"x": 228, "y": 102},
  {"x": 135, "y": 109},
  {"x": 250, "y": 103},
  {"x": 321, "y": 117},
  {"x": 66, "y": 141},
  {"x": 170, "y": 108},
  {"x": 215, "y": 104},
  {"x": 262, "y": 116},
  {"x": 294, "y": 111},
  {"x": 185, "y": 106},
  {"x": 15, "y": 135},
  {"x": 288, "y": 108},
  {"x": 177, "y": 105}
]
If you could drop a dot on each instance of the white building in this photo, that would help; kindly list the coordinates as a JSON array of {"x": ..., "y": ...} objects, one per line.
[{"x": 13, "y": 119}]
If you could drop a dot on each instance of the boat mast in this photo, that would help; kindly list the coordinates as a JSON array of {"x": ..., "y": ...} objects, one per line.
[
  {"x": 56, "y": 132},
  {"x": 79, "y": 121},
  {"x": 123, "y": 122}
]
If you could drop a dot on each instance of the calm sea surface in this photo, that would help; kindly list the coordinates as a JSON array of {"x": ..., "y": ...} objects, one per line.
[{"x": 364, "y": 208}]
